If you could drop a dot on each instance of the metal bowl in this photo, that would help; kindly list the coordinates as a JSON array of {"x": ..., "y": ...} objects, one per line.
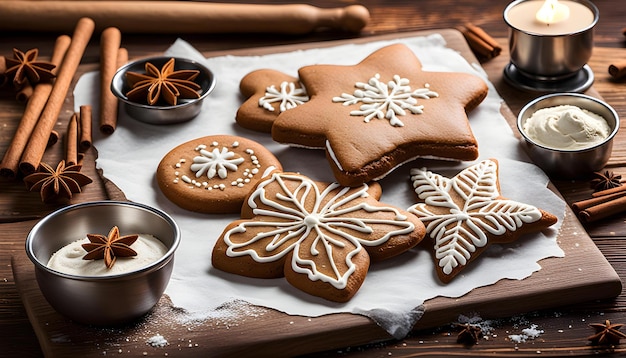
[
  {"x": 102, "y": 300},
  {"x": 569, "y": 163},
  {"x": 185, "y": 110}
]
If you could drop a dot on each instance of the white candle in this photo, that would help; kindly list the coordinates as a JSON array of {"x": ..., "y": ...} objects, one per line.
[
  {"x": 524, "y": 16},
  {"x": 552, "y": 12}
]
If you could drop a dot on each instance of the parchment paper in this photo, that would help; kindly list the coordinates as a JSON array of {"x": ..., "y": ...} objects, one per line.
[{"x": 394, "y": 290}]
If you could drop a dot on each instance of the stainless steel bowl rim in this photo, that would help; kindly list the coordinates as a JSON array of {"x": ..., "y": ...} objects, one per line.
[
  {"x": 122, "y": 70},
  {"x": 169, "y": 255},
  {"x": 579, "y": 95},
  {"x": 589, "y": 4}
]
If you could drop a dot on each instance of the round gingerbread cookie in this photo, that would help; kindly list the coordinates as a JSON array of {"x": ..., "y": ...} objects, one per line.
[{"x": 214, "y": 174}]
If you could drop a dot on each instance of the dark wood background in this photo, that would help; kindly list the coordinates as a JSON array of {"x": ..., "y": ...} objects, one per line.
[{"x": 565, "y": 329}]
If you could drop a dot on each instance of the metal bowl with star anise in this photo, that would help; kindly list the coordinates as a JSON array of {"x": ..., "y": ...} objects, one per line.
[
  {"x": 163, "y": 90},
  {"x": 103, "y": 298},
  {"x": 568, "y": 142}
]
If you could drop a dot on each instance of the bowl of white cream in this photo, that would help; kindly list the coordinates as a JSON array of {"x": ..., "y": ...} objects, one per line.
[
  {"x": 568, "y": 135},
  {"x": 103, "y": 262}
]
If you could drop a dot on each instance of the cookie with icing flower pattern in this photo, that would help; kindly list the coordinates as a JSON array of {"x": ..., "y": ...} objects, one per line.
[
  {"x": 382, "y": 112},
  {"x": 213, "y": 174},
  {"x": 268, "y": 93},
  {"x": 320, "y": 236},
  {"x": 465, "y": 214}
]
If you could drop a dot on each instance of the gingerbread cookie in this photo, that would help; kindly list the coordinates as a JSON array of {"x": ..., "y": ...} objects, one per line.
[
  {"x": 382, "y": 112},
  {"x": 467, "y": 213},
  {"x": 213, "y": 174},
  {"x": 320, "y": 236},
  {"x": 268, "y": 94}
]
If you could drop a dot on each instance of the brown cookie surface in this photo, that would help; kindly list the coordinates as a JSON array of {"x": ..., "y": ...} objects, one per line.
[
  {"x": 268, "y": 93},
  {"x": 320, "y": 236},
  {"x": 213, "y": 174},
  {"x": 382, "y": 112},
  {"x": 465, "y": 214}
]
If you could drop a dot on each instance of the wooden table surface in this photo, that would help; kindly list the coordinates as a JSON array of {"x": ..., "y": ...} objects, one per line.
[{"x": 565, "y": 329}]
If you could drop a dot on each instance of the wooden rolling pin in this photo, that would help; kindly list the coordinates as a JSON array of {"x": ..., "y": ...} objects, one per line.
[{"x": 179, "y": 17}]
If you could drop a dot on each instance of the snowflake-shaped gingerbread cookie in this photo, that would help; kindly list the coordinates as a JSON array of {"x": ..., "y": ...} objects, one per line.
[
  {"x": 320, "y": 236},
  {"x": 268, "y": 93},
  {"x": 213, "y": 174},
  {"x": 382, "y": 112},
  {"x": 465, "y": 214}
]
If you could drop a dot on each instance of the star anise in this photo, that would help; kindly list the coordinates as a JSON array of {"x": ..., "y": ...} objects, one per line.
[
  {"x": 606, "y": 180},
  {"x": 607, "y": 333},
  {"x": 24, "y": 66},
  {"x": 109, "y": 247},
  {"x": 166, "y": 84},
  {"x": 56, "y": 183},
  {"x": 469, "y": 334}
]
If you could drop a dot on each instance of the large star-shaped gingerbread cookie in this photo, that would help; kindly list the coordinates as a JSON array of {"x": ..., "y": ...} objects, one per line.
[
  {"x": 465, "y": 214},
  {"x": 382, "y": 112}
]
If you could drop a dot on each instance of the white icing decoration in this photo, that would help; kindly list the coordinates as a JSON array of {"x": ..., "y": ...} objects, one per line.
[
  {"x": 219, "y": 162},
  {"x": 380, "y": 100},
  {"x": 332, "y": 155},
  {"x": 288, "y": 225},
  {"x": 215, "y": 162},
  {"x": 289, "y": 97},
  {"x": 462, "y": 229}
]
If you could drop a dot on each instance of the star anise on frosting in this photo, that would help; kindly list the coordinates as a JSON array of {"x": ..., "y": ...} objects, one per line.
[
  {"x": 469, "y": 334},
  {"x": 24, "y": 66},
  {"x": 165, "y": 84},
  {"x": 607, "y": 333},
  {"x": 109, "y": 247},
  {"x": 61, "y": 182},
  {"x": 606, "y": 180}
]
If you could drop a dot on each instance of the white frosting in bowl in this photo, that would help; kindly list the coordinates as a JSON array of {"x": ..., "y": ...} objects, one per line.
[
  {"x": 69, "y": 259},
  {"x": 566, "y": 127}
]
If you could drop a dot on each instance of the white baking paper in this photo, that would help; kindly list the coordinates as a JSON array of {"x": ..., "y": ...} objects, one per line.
[{"x": 394, "y": 290}]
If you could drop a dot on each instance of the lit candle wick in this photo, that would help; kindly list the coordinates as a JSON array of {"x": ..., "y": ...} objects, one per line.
[{"x": 552, "y": 12}]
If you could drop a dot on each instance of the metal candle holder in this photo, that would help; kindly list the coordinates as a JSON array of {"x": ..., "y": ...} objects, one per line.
[{"x": 550, "y": 63}]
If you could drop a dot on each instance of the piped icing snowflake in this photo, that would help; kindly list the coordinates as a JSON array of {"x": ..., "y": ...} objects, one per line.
[
  {"x": 465, "y": 214},
  {"x": 386, "y": 100},
  {"x": 288, "y": 95},
  {"x": 215, "y": 164},
  {"x": 319, "y": 228}
]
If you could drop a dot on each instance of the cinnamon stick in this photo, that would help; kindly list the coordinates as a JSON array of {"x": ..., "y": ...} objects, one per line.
[
  {"x": 110, "y": 41},
  {"x": 584, "y": 204},
  {"x": 24, "y": 93},
  {"x": 34, "y": 107},
  {"x": 85, "y": 128},
  {"x": 71, "y": 141},
  {"x": 618, "y": 70},
  {"x": 603, "y": 210},
  {"x": 617, "y": 189},
  {"x": 122, "y": 57},
  {"x": 54, "y": 138},
  {"x": 36, "y": 145},
  {"x": 480, "y": 42},
  {"x": 3, "y": 68}
]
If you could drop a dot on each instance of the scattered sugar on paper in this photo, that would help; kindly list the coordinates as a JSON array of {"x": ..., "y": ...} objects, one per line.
[{"x": 527, "y": 334}]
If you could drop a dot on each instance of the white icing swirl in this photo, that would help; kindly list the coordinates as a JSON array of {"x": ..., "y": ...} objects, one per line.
[
  {"x": 566, "y": 127},
  {"x": 330, "y": 224}
]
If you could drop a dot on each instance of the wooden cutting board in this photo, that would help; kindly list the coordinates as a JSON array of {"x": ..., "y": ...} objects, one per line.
[{"x": 582, "y": 275}]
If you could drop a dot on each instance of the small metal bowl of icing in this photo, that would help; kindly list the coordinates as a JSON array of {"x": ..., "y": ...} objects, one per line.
[
  {"x": 164, "y": 89},
  {"x": 568, "y": 135},
  {"x": 103, "y": 262}
]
